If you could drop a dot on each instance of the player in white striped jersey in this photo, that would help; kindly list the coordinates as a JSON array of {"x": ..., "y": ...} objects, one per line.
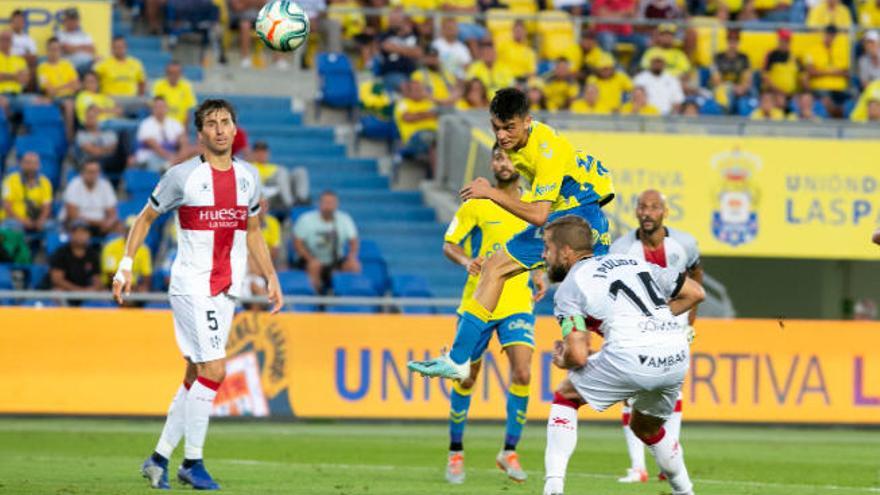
[
  {"x": 665, "y": 247},
  {"x": 645, "y": 355},
  {"x": 217, "y": 199}
]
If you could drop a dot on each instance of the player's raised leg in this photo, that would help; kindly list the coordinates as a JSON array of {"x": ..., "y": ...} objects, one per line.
[
  {"x": 459, "y": 406},
  {"x": 476, "y": 314},
  {"x": 637, "y": 472},
  {"x": 155, "y": 468},
  {"x": 666, "y": 450}
]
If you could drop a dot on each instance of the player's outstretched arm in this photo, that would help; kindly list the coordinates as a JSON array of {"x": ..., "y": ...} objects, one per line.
[
  {"x": 122, "y": 279},
  {"x": 690, "y": 294},
  {"x": 535, "y": 213},
  {"x": 696, "y": 273},
  {"x": 256, "y": 245}
]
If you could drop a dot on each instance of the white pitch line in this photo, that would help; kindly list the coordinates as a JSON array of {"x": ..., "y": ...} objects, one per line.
[{"x": 383, "y": 467}]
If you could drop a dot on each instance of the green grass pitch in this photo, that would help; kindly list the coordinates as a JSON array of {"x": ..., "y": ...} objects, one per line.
[{"x": 95, "y": 456}]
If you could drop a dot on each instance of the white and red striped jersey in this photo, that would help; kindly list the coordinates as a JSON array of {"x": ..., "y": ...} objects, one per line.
[
  {"x": 678, "y": 252},
  {"x": 213, "y": 208}
]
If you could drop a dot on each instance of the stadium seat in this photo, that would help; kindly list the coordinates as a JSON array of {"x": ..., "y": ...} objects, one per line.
[
  {"x": 36, "y": 275},
  {"x": 38, "y": 116},
  {"x": 370, "y": 251},
  {"x": 372, "y": 127},
  {"x": 337, "y": 85},
  {"x": 137, "y": 181},
  {"x": 412, "y": 286},
  {"x": 556, "y": 34},
  {"x": 296, "y": 283},
  {"x": 157, "y": 305},
  {"x": 377, "y": 272},
  {"x": 6, "y": 277},
  {"x": 500, "y": 25},
  {"x": 54, "y": 240},
  {"x": 99, "y": 304},
  {"x": 130, "y": 207},
  {"x": 352, "y": 284}
]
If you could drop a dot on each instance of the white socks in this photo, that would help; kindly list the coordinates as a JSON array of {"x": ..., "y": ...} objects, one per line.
[
  {"x": 670, "y": 459},
  {"x": 199, "y": 402},
  {"x": 673, "y": 425},
  {"x": 634, "y": 445},
  {"x": 174, "y": 424},
  {"x": 561, "y": 442}
]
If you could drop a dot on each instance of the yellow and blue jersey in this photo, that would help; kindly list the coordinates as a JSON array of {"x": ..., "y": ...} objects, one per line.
[
  {"x": 482, "y": 227},
  {"x": 559, "y": 173}
]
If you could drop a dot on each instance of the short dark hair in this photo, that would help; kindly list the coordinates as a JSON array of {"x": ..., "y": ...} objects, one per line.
[
  {"x": 16, "y": 13},
  {"x": 210, "y": 106},
  {"x": 328, "y": 192},
  {"x": 509, "y": 103},
  {"x": 261, "y": 145},
  {"x": 119, "y": 37},
  {"x": 572, "y": 231},
  {"x": 51, "y": 40}
]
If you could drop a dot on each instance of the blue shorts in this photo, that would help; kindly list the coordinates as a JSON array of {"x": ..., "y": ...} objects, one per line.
[
  {"x": 517, "y": 329},
  {"x": 527, "y": 247}
]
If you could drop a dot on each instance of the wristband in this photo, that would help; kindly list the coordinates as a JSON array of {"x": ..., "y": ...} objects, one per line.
[
  {"x": 125, "y": 264},
  {"x": 572, "y": 323}
]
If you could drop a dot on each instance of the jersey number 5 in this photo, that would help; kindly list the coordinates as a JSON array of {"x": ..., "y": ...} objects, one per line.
[
  {"x": 212, "y": 320},
  {"x": 650, "y": 286}
]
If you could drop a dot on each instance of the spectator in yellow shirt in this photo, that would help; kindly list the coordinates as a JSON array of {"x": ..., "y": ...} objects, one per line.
[
  {"x": 871, "y": 93},
  {"x": 121, "y": 75},
  {"x": 829, "y": 12},
  {"x": 440, "y": 84},
  {"x": 91, "y": 95},
  {"x": 677, "y": 62},
  {"x": 535, "y": 92},
  {"x": 590, "y": 103},
  {"x": 177, "y": 93},
  {"x": 493, "y": 75},
  {"x": 27, "y": 195},
  {"x": 58, "y": 80},
  {"x": 473, "y": 96},
  {"x": 592, "y": 53},
  {"x": 517, "y": 54},
  {"x": 869, "y": 14},
  {"x": 780, "y": 67},
  {"x": 639, "y": 105},
  {"x": 827, "y": 75},
  {"x": 612, "y": 84},
  {"x": 14, "y": 73},
  {"x": 416, "y": 119},
  {"x": 561, "y": 88},
  {"x": 113, "y": 252},
  {"x": 767, "y": 109}
]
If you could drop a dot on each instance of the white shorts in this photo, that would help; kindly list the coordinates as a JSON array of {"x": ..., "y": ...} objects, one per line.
[
  {"x": 202, "y": 324},
  {"x": 651, "y": 377}
]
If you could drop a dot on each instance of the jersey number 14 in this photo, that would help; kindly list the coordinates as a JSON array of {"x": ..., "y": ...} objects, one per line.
[{"x": 651, "y": 289}]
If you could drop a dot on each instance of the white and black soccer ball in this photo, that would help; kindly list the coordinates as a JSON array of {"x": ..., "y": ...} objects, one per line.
[{"x": 282, "y": 25}]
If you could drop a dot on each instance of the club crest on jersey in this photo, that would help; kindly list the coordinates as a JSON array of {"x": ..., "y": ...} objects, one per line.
[
  {"x": 205, "y": 187},
  {"x": 243, "y": 184},
  {"x": 736, "y": 196}
]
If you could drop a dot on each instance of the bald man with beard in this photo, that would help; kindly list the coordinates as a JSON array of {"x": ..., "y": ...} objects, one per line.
[{"x": 656, "y": 243}]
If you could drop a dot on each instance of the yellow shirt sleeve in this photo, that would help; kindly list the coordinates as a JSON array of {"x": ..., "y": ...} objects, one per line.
[
  {"x": 46, "y": 190},
  {"x": 140, "y": 74},
  {"x": 549, "y": 169},
  {"x": 143, "y": 262},
  {"x": 462, "y": 223}
]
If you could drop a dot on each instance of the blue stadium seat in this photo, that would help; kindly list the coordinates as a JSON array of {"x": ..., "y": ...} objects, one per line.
[
  {"x": 297, "y": 283},
  {"x": 337, "y": 85},
  {"x": 412, "y": 286},
  {"x": 157, "y": 281},
  {"x": 130, "y": 207},
  {"x": 54, "y": 240},
  {"x": 370, "y": 251},
  {"x": 38, "y": 116},
  {"x": 157, "y": 305},
  {"x": 6, "y": 277},
  {"x": 98, "y": 304},
  {"x": 377, "y": 272},
  {"x": 137, "y": 182},
  {"x": 36, "y": 274},
  {"x": 352, "y": 284}
]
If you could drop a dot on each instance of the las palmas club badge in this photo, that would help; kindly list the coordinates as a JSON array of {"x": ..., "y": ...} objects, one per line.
[{"x": 736, "y": 197}]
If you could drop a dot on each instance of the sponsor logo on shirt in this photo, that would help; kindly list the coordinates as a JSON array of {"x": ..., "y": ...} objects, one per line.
[
  {"x": 542, "y": 190},
  {"x": 664, "y": 362}
]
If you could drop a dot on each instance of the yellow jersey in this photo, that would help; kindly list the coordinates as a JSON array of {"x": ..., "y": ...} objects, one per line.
[
  {"x": 113, "y": 253},
  {"x": 611, "y": 90},
  {"x": 558, "y": 93},
  {"x": 823, "y": 58},
  {"x": 482, "y": 228},
  {"x": 120, "y": 78},
  {"x": 57, "y": 74},
  {"x": 85, "y": 99},
  {"x": 272, "y": 232},
  {"x": 408, "y": 129},
  {"x": 648, "y": 110},
  {"x": 677, "y": 63},
  {"x": 821, "y": 16},
  {"x": 180, "y": 98},
  {"x": 559, "y": 173},
  {"x": 860, "y": 112},
  {"x": 438, "y": 84},
  {"x": 584, "y": 108},
  {"x": 26, "y": 201},
  {"x": 519, "y": 58},
  {"x": 775, "y": 114},
  {"x": 11, "y": 65},
  {"x": 869, "y": 14},
  {"x": 493, "y": 78}
]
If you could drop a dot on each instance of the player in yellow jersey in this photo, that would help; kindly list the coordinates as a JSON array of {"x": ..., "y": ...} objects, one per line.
[
  {"x": 564, "y": 181},
  {"x": 479, "y": 229}
]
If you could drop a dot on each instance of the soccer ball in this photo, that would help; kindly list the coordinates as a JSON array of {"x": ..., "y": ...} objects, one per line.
[{"x": 282, "y": 25}]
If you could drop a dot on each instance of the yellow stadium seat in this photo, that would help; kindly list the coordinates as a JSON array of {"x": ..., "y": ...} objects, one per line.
[
  {"x": 500, "y": 25},
  {"x": 556, "y": 34},
  {"x": 756, "y": 45},
  {"x": 523, "y": 7},
  {"x": 711, "y": 36}
]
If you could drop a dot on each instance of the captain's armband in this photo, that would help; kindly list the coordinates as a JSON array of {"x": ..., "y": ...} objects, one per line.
[{"x": 573, "y": 323}]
